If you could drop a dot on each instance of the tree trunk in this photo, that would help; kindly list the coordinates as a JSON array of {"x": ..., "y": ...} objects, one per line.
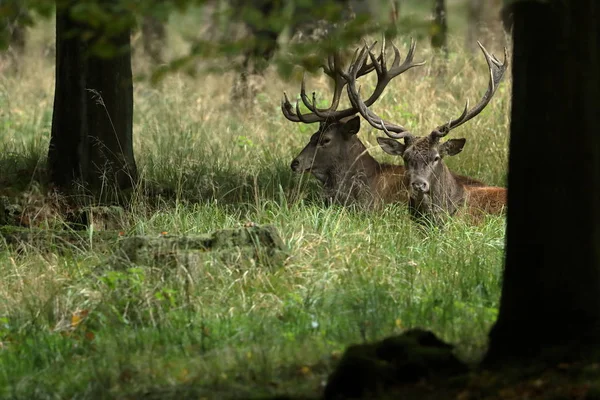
[
  {"x": 551, "y": 290},
  {"x": 17, "y": 38},
  {"x": 474, "y": 17},
  {"x": 91, "y": 138},
  {"x": 395, "y": 11},
  {"x": 439, "y": 28},
  {"x": 258, "y": 56},
  {"x": 153, "y": 37}
]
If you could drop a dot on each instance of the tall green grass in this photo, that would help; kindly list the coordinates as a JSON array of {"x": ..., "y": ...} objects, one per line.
[{"x": 352, "y": 275}]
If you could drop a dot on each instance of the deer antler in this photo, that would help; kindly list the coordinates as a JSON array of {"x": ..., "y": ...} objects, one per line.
[
  {"x": 497, "y": 71},
  {"x": 384, "y": 76},
  {"x": 331, "y": 69}
]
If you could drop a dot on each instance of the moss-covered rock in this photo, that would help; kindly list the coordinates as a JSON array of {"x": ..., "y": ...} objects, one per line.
[
  {"x": 257, "y": 244},
  {"x": 9, "y": 211},
  {"x": 372, "y": 369}
]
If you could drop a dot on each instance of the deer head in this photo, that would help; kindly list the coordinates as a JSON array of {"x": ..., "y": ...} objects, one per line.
[
  {"x": 335, "y": 144},
  {"x": 432, "y": 187}
]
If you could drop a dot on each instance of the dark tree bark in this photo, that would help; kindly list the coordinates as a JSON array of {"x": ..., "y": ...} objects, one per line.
[
  {"x": 439, "y": 28},
  {"x": 91, "y": 138},
  {"x": 551, "y": 290}
]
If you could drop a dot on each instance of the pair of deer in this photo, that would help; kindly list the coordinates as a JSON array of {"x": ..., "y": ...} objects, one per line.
[{"x": 349, "y": 174}]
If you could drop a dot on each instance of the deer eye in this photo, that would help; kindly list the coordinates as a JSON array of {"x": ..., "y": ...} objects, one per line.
[
  {"x": 325, "y": 141},
  {"x": 436, "y": 158}
]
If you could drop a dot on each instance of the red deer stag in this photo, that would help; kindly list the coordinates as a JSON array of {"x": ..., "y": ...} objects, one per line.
[
  {"x": 434, "y": 191},
  {"x": 336, "y": 156}
]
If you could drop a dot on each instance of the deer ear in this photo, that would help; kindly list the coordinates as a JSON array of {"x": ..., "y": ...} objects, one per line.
[
  {"x": 391, "y": 146},
  {"x": 452, "y": 147},
  {"x": 350, "y": 127}
]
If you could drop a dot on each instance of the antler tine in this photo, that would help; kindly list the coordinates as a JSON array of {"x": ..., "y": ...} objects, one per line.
[
  {"x": 408, "y": 61},
  {"x": 332, "y": 68},
  {"x": 385, "y": 75},
  {"x": 294, "y": 114},
  {"x": 496, "y": 73},
  {"x": 378, "y": 65},
  {"x": 335, "y": 71},
  {"x": 366, "y": 68},
  {"x": 443, "y": 130},
  {"x": 288, "y": 111},
  {"x": 307, "y": 119},
  {"x": 378, "y": 123},
  {"x": 354, "y": 95},
  {"x": 303, "y": 95},
  {"x": 397, "y": 57}
]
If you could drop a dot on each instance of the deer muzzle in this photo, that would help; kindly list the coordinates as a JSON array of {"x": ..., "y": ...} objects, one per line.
[
  {"x": 295, "y": 165},
  {"x": 419, "y": 186}
]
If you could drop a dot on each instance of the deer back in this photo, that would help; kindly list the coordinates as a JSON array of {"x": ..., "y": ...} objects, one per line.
[
  {"x": 390, "y": 184},
  {"x": 488, "y": 199}
]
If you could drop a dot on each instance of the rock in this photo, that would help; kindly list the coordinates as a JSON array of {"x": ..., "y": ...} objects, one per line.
[
  {"x": 259, "y": 244},
  {"x": 373, "y": 369},
  {"x": 256, "y": 244},
  {"x": 9, "y": 211}
]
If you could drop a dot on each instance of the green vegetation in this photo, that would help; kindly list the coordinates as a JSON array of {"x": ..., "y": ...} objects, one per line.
[{"x": 74, "y": 325}]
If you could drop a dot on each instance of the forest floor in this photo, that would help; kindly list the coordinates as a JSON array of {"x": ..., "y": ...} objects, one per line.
[{"x": 563, "y": 381}]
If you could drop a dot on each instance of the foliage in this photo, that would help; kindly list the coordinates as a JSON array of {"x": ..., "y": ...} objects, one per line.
[{"x": 101, "y": 20}]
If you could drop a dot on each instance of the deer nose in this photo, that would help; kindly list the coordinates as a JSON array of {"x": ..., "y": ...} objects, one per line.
[
  {"x": 420, "y": 185},
  {"x": 295, "y": 165}
]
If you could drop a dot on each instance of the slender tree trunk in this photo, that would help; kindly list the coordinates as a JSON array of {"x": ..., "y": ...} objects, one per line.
[
  {"x": 439, "y": 27},
  {"x": 153, "y": 37},
  {"x": 259, "y": 55},
  {"x": 395, "y": 13},
  {"x": 475, "y": 14},
  {"x": 91, "y": 138},
  {"x": 551, "y": 290},
  {"x": 17, "y": 38}
]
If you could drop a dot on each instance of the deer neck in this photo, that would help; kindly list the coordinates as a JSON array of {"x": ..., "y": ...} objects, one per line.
[
  {"x": 365, "y": 167},
  {"x": 353, "y": 179},
  {"x": 447, "y": 193}
]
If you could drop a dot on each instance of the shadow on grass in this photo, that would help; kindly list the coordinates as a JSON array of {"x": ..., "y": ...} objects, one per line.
[{"x": 27, "y": 198}]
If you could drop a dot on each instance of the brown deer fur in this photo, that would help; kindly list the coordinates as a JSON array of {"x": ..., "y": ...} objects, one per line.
[
  {"x": 349, "y": 174},
  {"x": 434, "y": 190}
]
